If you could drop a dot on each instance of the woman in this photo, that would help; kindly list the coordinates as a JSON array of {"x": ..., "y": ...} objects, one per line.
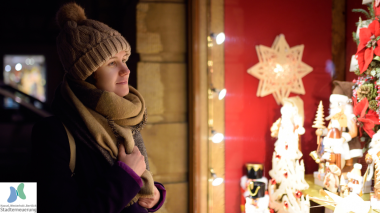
[{"x": 104, "y": 115}]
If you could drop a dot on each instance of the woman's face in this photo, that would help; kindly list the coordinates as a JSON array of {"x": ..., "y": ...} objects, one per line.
[{"x": 113, "y": 75}]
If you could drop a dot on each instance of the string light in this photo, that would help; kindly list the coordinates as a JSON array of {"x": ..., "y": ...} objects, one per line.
[
  {"x": 8, "y": 68},
  {"x": 214, "y": 43},
  {"x": 219, "y": 39},
  {"x": 216, "y": 136},
  {"x": 216, "y": 181},
  {"x": 18, "y": 67},
  {"x": 221, "y": 93}
]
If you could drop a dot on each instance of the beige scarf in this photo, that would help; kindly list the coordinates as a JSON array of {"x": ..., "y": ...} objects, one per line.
[{"x": 110, "y": 118}]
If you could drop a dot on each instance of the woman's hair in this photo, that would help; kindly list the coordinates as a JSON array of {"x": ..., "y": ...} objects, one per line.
[{"x": 91, "y": 79}]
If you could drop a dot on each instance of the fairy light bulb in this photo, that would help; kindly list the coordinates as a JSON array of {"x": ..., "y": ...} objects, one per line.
[
  {"x": 216, "y": 181},
  {"x": 220, "y": 38},
  {"x": 222, "y": 94},
  {"x": 217, "y": 137}
]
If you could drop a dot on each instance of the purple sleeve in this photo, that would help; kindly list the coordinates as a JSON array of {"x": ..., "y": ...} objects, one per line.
[
  {"x": 159, "y": 186},
  {"x": 130, "y": 172},
  {"x": 162, "y": 191}
]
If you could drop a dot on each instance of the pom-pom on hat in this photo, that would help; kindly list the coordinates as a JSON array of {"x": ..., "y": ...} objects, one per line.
[
  {"x": 375, "y": 139},
  {"x": 355, "y": 173},
  {"x": 83, "y": 44}
]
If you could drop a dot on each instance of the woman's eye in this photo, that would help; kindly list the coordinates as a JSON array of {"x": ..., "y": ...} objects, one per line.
[{"x": 112, "y": 63}]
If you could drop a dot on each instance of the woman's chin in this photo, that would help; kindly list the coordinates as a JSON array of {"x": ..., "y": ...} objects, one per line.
[{"x": 122, "y": 93}]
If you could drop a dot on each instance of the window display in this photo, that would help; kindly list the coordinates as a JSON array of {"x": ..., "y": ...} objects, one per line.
[{"x": 26, "y": 73}]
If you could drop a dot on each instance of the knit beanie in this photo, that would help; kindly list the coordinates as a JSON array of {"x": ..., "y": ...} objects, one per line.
[{"x": 83, "y": 44}]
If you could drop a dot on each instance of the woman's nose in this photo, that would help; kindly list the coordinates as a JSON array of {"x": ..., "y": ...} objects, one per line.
[{"x": 124, "y": 70}]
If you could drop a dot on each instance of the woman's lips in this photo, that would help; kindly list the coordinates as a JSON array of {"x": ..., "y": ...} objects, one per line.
[{"x": 123, "y": 82}]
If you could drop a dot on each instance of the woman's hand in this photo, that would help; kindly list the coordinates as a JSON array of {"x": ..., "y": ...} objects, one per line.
[
  {"x": 150, "y": 202},
  {"x": 135, "y": 160}
]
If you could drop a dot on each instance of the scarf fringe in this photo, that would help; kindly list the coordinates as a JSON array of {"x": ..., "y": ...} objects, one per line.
[
  {"x": 140, "y": 126},
  {"x": 111, "y": 123},
  {"x": 136, "y": 128},
  {"x": 133, "y": 201}
]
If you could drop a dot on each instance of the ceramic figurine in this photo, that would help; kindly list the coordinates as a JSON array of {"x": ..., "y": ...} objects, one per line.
[
  {"x": 355, "y": 179},
  {"x": 331, "y": 181},
  {"x": 332, "y": 144},
  {"x": 372, "y": 159},
  {"x": 342, "y": 110}
]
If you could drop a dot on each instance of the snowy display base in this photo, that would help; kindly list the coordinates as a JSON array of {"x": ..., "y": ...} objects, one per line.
[
  {"x": 375, "y": 203},
  {"x": 262, "y": 204},
  {"x": 318, "y": 182},
  {"x": 367, "y": 187}
]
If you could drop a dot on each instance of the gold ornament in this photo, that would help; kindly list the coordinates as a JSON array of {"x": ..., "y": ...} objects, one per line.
[
  {"x": 255, "y": 167},
  {"x": 280, "y": 69},
  {"x": 341, "y": 118}
]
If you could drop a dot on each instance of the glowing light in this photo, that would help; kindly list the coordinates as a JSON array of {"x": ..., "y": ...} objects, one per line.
[
  {"x": 217, "y": 181},
  {"x": 18, "y": 99},
  {"x": 217, "y": 138},
  {"x": 8, "y": 68},
  {"x": 18, "y": 67},
  {"x": 29, "y": 61},
  {"x": 278, "y": 68},
  {"x": 222, "y": 94},
  {"x": 37, "y": 104},
  {"x": 220, "y": 38}
]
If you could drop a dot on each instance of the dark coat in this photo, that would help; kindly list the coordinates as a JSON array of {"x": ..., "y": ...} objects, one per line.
[{"x": 96, "y": 186}]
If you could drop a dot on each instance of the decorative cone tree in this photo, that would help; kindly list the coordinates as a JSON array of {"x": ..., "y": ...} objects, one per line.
[
  {"x": 319, "y": 123},
  {"x": 319, "y": 118},
  {"x": 288, "y": 171}
]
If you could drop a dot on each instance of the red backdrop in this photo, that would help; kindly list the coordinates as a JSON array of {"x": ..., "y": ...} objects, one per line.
[{"x": 249, "y": 118}]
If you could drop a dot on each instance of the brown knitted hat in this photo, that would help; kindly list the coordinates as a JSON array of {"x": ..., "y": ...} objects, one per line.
[
  {"x": 84, "y": 44},
  {"x": 343, "y": 88}
]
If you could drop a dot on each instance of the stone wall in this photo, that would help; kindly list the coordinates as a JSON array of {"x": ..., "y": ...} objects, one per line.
[{"x": 162, "y": 80}]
